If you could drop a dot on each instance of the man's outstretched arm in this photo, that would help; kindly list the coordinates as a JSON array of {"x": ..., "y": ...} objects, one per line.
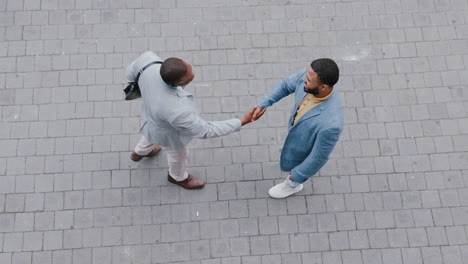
[
  {"x": 282, "y": 89},
  {"x": 190, "y": 124}
]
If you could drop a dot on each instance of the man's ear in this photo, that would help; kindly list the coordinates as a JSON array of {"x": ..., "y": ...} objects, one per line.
[{"x": 324, "y": 87}]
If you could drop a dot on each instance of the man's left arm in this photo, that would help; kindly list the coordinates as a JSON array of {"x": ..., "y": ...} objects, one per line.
[
  {"x": 130, "y": 72},
  {"x": 135, "y": 66},
  {"x": 324, "y": 144}
]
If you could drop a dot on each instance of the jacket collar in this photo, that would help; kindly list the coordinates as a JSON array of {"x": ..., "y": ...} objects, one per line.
[{"x": 177, "y": 91}]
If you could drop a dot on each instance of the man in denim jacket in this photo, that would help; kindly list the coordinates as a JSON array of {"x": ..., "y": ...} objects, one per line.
[{"x": 315, "y": 124}]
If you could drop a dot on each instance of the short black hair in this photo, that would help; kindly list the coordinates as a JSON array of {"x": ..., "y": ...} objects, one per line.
[
  {"x": 327, "y": 70},
  {"x": 172, "y": 70}
]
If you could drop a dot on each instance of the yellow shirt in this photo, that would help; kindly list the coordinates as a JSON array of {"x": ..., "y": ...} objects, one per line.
[{"x": 309, "y": 102}]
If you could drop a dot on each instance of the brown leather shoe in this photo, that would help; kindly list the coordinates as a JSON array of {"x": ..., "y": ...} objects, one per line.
[
  {"x": 135, "y": 157},
  {"x": 191, "y": 182}
]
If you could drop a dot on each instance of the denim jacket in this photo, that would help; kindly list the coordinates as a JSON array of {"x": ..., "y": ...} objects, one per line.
[{"x": 312, "y": 138}]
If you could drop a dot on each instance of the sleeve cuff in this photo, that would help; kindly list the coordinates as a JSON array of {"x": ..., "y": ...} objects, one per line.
[{"x": 238, "y": 124}]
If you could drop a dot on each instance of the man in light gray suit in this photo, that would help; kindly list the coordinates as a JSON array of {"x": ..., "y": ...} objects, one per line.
[{"x": 169, "y": 117}]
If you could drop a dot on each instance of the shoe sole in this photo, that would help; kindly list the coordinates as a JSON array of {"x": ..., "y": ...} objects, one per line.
[
  {"x": 141, "y": 157},
  {"x": 301, "y": 187},
  {"x": 171, "y": 180},
  {"x": 136, "y": 159}
]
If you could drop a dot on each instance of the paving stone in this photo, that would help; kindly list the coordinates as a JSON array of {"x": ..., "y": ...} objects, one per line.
[
  {"x": 104, "y": 216},
  {"x": 42, "y": 257},
  {"x": 451, "y": 254},
  {"x": 83, "y": 218},
  {"x": 392, "y": 200},
  {"x": 351, "y": 256},
  {"x": 258, "y": 208},
  {"x": 423, "y": 218},
  {"x": 24, "y": 222},
  {"x": 437, "y": 236},
  {"x": 92, "y": 237},
  {"x": 299, "y": 242},
  {"x": 455, "y": 235},
  {"x": 307, "y": 223},
  {"x": 449, "y": 198},
  {"x": 260, "y": 245},
  {"x": 280, "y": 244},
  {"x": 397, "y": 238},
  {"x": 44, "y": 221},
  {"x": 458, "y": 215},
  {"x": 411, "y": 255},
  {"x": 268, "y": 225},
  {"x": 373, "y": 201},
  {"x": 161, "y": 253},
  {"x": 404, "y": 218},
  {"x": 72, "y": 239},
  {"x": 326, "y": 222},
  {"x": 112, "y": 236},
  {"x": 346, "y": 221},
  {"x": 378, "y": 238},
  {"x": 335, "y": 203},
  {"x": 354, "y": 202},
  {"x": 53, "y": 240},
  {"x": 296, "y": 205},
  {"x": 372, "y": 256},
  {"x": 379, "y": 182},
  {"x": 391, "y": 256},
  {"x": 365, "y": 220},
  {"x": 287, "y": 224},
  {"x": 319, "y": 242},
  {"x": 117, "y": 216},
  {"x": 229, "y": 228},
  {"x": 431, "y": 254},
  {"x": 180, "y": 213},
  {"x": 442, "y": 217},
  {"x": 332, "y": 257},
  {"x": 358, "y": 239},
  {"x": 316, "y": 204}
]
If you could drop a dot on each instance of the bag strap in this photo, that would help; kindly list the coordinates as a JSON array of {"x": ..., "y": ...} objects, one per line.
[{"x": 144, "y": 68}]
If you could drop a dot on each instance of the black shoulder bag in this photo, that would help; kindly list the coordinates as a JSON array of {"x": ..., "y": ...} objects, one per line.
[{"x": 132, "y": 91}]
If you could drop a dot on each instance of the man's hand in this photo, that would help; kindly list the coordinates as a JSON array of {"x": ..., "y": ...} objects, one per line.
[
  {"x": 247, "y": 118},
  {"x": 258, "y": 112}
]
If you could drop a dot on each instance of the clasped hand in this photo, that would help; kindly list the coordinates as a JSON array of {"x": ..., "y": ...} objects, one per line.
[{"x": 253, "y": 114}]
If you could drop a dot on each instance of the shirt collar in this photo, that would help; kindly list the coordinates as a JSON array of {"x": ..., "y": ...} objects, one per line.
[
  {"x": 323, "y": 98},
  {"x": 177, "y": 91}
]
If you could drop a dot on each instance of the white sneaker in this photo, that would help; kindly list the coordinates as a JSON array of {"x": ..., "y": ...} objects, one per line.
[{"x": 283, "y": 190}]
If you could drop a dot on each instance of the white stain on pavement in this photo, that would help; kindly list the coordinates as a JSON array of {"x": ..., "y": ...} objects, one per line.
[{"x": 357, "y": 55}]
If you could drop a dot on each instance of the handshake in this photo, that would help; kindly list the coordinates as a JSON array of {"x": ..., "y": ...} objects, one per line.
[{"x": 252, "y": 115}]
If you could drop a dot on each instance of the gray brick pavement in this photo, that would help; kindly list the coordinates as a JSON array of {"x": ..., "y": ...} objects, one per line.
[{"x": 393, "y": 191}]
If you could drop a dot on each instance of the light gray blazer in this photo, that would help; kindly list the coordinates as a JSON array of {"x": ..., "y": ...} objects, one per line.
[{"x": 169, "y": 116}]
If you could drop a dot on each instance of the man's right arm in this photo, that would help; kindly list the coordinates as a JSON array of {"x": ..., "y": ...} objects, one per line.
[
  {"x": 282, "y": 89},
  {"x": 190, "y": 124}
]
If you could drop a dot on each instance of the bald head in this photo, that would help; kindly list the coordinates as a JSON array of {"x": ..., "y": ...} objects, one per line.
[{"x": 176, "y": 72}]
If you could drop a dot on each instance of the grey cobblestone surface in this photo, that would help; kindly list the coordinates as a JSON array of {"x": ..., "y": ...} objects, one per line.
[{"x": 395, "y": 189}]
